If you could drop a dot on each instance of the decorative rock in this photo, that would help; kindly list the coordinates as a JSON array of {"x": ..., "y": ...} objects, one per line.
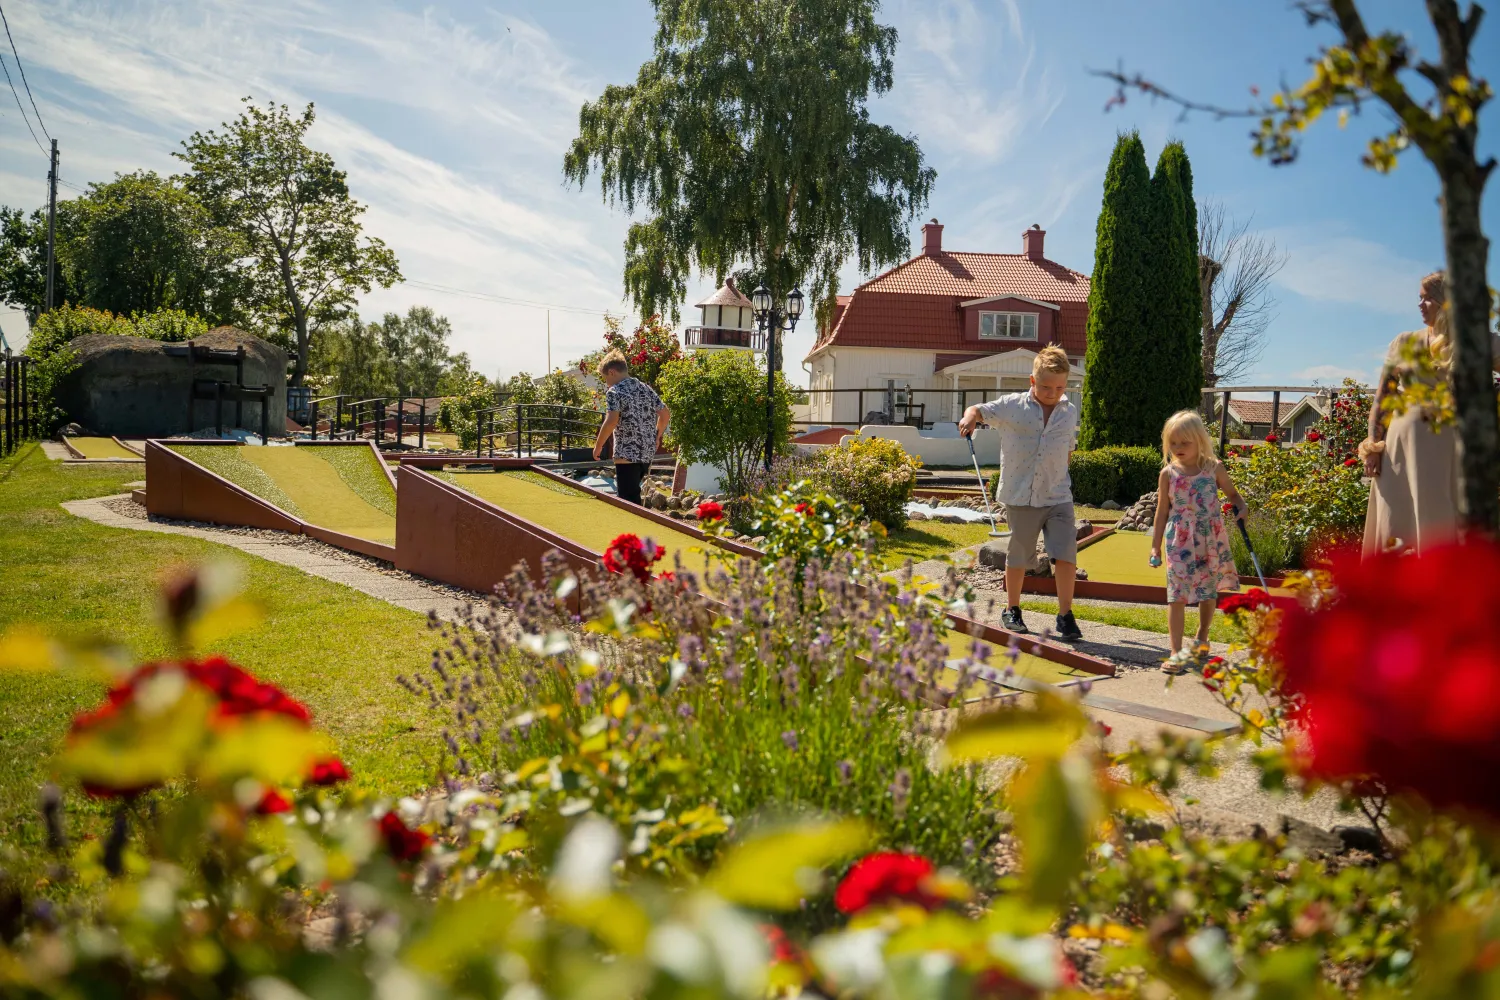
[
  {"x": 916, "y": 516},
  {"x": 674, "y": 503},
  {"x": 1360, "y": 838},
  {"x": 1310, "y": 839},
  {"x": 1079, "y": 573},
  {"x": 1082, "y": 528},
  {"x": 992, "y": 553},
  {"x": 1109, "y": 505}
]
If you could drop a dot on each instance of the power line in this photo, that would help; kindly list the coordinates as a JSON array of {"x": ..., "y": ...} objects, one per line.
[
  {"x": 24, "y": 82},
  {"x": 24, "y": 118},
  {"x": 507, "y": 300}
]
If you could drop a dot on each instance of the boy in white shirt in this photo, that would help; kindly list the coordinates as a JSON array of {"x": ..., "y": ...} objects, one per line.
[{"x": 1038, "y": 432}]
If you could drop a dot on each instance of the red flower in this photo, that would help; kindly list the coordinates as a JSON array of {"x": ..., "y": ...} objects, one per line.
[
  {"x": 885, "y": 877},
  {"x": 710, "y": 510},
  {"x": 1231, "y": 604},
  {"x": 803, "y": 508},
  {"x": 783, "y": 949},
  {"x": 1399, "y": 674},
  {"x": 628, "y": 553},
  {"x": 1228, "y": 507},
  {"x": 328, "y": 772},
  {"x": 1314, "y": 437},
  {"x": 403, "y": 843},
  {"x": 271, "y": 803},
  {"x": 1271, "y": 438},
  {"x": 1350, "y": 462}
]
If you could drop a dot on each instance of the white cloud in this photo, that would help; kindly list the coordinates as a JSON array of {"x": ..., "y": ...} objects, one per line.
[
  {"x": 950, "y": 52},
  {"x": 1335, "y": 374},
  {"x": 1349, "y": 270},
  {"x": 452, "y": 134}
]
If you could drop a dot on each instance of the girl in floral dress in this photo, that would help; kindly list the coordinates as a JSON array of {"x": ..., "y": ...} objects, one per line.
[{"x": 1191, "y": 523}]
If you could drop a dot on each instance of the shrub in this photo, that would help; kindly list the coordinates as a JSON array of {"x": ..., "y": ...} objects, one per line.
[
  {"x": 718, "y": 404},
  {"x": 1272, "y": 544},
  {"x": 1121, "y": 474},
  {"x": 48, "y": 345},
  {"x": 875, "y": 473},
  {"x": 1314, "y": 497},
  {"x": 170, "y": 325}
]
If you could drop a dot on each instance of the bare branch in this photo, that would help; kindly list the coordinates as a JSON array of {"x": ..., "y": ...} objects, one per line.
[
  {"x": 1236, "y": 268},
  {"x": 1156, "y": 92}
]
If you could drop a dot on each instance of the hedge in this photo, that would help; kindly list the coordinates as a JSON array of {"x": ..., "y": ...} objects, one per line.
[{"x": 1121, "y": 474}]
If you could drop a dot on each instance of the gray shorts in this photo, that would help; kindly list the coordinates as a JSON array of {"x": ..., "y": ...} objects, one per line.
[{"x": 1054, "y": 523}]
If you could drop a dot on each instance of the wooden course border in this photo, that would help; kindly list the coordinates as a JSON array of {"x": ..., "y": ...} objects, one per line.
[
  {"x": 78, "y": 456},
  {"x": 450, "y": 535},
  {"x": 181, "y": 489},
  {"x": 1105, "y": 590}
]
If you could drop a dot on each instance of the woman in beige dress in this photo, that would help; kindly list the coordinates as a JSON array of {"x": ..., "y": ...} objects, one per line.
[{"x": 1412, "y": 465}]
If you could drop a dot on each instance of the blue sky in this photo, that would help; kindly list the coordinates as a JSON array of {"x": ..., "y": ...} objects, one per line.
[{"x": 452, "y": 119}]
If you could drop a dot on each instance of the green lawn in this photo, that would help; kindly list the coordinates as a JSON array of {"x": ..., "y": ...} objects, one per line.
[
  {"x": 922, "y": 540},
  {"x": 334, "y": 648}
]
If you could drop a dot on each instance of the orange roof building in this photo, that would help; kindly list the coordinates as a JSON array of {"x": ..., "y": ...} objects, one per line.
[{"x": 944, "y": 323}]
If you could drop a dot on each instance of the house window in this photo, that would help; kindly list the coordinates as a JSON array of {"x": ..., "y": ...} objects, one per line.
[{"x": 1007, "y": 326}]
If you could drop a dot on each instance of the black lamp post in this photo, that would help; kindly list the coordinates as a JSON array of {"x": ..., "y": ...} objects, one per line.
[{"x": 771, "y": 322}]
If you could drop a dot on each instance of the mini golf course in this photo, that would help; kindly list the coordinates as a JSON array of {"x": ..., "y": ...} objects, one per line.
[
  {"x": 339, "y": 492},
  {"x": 95, "y": 449},
  {"x": 1119, "y": 568}
]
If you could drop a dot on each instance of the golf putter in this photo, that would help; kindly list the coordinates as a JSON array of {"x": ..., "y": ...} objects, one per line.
[
  {"x": 995, "y": 531},
  {"x": 1245, "y": 534}
]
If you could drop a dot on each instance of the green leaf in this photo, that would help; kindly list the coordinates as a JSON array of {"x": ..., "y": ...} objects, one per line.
[
  {"x": 1055, "y": 806},
  {"x": 777, "y": 869},
  {"x": 1045, "y": 731}
]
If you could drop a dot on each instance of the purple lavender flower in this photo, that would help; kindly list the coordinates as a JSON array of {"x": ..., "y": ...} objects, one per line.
[
  {"x": 685, "y": 711},
  {"x": 790, "y": 739}
]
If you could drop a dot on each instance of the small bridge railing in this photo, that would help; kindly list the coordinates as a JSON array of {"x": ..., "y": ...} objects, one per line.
[{"x": 524, "y": 426}]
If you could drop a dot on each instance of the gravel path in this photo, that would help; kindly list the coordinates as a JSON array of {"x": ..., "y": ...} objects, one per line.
[{"x": 374, "y": 577}]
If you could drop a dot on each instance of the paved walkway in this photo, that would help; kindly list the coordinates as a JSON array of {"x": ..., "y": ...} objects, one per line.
[{"x": 401, "y": 591}]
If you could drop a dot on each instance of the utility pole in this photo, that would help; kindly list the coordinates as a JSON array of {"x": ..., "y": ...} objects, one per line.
[{"x": 51, "y": 229}]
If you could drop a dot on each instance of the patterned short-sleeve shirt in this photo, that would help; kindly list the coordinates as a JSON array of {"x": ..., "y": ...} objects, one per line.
[{"x": 637, "y": 404}]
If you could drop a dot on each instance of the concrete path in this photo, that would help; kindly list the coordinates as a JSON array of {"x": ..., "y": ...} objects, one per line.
[
  {"x": 401, "y": 591},
  {"x": 55, "y": 451}
]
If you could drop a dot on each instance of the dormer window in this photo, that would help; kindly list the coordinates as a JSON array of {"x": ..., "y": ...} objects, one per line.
[{"x": 1007, "y": 326}]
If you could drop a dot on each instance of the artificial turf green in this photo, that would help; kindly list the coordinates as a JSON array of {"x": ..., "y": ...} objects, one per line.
[
  {"x": 333, "y": 648},
  {"x": 103, "y": 447},
  {"x": 362, "y": 471},
  {"x": 229, "y": 462}
]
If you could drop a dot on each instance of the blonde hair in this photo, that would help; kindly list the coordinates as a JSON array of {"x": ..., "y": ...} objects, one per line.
[
  {"x": 1188, "y": 424},
  {"x": 1435, "y": 287},
  {"x": 1051, "y": 360},
  {"x": 614, "y": 359}
]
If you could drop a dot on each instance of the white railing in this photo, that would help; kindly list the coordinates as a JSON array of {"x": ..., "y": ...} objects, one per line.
[{"x": 715, "y": 338}]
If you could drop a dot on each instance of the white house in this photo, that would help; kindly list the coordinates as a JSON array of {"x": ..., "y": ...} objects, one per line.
[{"x": 943, "y": 330}]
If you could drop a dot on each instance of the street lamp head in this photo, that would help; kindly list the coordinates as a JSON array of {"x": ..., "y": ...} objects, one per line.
[
  {"x": 760, "y": 301},
  {"x": 794, "y": 305}
]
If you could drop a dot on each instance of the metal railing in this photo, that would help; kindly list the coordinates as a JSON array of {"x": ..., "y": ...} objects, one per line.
[
  {"x": 526, "y": 424},
  {"x": 895, "y": 404},
  {"x": 1226, "y": 392},
  {"x": 22, "y": 415},
  {"x": 372, "y": 415},
  {"x": 700, "y": 337}
]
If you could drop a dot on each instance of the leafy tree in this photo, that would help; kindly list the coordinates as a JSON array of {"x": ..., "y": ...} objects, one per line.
[
  {"x": 23, "y": 259},
  {"x": 718, "y": 404},
  {"x": 746, "y": 139},
  {"x": 141, "y": 243},
  {"x": 649, "y": 349},
  {"x": 417, "y": 345},
  {"x": 301, "y": 245},
  {"x": 354, "y": 354},
  {"x": 1119, "y": 364},
  {"x": 1362, "y": 68},
  {"x": 1176, "y": 301}
]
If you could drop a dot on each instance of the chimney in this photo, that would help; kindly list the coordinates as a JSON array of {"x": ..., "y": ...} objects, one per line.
[
  {"x": 1031, "y": 242},
  {"x": 932, "y": 239}
]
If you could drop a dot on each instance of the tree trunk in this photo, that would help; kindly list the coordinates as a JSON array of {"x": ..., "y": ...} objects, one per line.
[
  {"x": 1208, "y": 273},
  {"x": 1474, "y": 401}
]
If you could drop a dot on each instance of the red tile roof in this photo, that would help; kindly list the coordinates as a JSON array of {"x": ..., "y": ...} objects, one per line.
[
  {"x": 727, "y": 296},
  {"x": 916, "y": 304},
  {"x": 1258, "y": 411}
]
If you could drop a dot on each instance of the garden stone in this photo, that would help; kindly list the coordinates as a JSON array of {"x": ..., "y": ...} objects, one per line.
[
  {"x": 1313, "y": 840},
  {"x": 1360, "y": 838},
  {"x": 916, "y": 516},
  {"x": 674, "y": 503},
  {"x": 1082, "y": 528},
  {"x": 1109, "y": 505},
  {"x": 948, "y": 518},
  {"x": 992, "y": 554},
  {"x": 73, "y": 430}
]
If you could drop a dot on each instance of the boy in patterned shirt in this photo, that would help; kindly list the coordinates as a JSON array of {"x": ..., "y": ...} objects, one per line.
[{"x": 637, "y": 418}]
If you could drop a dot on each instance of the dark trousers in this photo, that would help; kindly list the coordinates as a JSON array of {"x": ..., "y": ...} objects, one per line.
[{"x": 628, "y": 478}]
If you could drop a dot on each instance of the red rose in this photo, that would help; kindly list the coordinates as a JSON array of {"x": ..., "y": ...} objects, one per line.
[
  {"x": 885, "y": 877},
  {"x": 628, "y": 553},
  {"x": 1271, "y": 438},
  {"x": 403, "y": 843},
  {"x": 271, "y": 803},
  {"x": 783, "y": 949},
  {"x": 1350, "y": 462},
  {"x": 1228, "y": 507},
  {"x": 710, "y": 510},
  {"x": 328, "y": 772},
  {"x": 1314, "y": 437},
  {"x": 803, "y": 508},
  {"x": 1231, "y": 604},
  {"x": 1386, "y": 693}
]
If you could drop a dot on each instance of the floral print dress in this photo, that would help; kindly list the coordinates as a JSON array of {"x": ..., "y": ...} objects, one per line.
[{"x": 1200, "y": 564}]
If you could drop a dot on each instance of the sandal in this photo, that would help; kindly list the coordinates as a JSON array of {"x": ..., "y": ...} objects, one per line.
[{"x": 1179, "y": 662}]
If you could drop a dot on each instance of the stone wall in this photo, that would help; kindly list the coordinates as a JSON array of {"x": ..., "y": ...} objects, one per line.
[{"x": 131, "y": 387}]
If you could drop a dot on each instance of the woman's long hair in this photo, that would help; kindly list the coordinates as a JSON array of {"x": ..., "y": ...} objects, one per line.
[{"x": 1435, "y": 287}]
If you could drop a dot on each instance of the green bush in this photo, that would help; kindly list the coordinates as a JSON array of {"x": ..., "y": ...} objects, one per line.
[
  {"x": 875, "y": 473},
  {"x": 1095, "y": 475},
  {"x": 1276, "y": 551},
  {"x": 169, "y": 325},
  {"x": 1122, "y": 474}
]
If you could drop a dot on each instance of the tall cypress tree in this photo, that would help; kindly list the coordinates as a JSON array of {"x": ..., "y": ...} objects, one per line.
[
  {"x": 1178, "y": 304},
  {"x": 1118, "y": 363}
]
